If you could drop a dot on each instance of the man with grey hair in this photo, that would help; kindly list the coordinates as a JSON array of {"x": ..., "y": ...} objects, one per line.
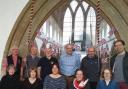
[
  {"x": 69, "y": 62},
  {"x": 30, "y": 61},
  {"x": 91, "y": 66}
]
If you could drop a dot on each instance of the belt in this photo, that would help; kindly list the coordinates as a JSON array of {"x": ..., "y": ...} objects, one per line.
[{"x": 69, "y": 75}]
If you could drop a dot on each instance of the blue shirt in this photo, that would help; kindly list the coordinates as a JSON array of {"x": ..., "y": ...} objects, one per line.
[
  {"x": 112, "y": 85},
  {"x": 69, "y": 64}
]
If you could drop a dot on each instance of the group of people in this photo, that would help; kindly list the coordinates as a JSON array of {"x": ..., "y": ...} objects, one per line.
[{"x": 67, "y": 71}]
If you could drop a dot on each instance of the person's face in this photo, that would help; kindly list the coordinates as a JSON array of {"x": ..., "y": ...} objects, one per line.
[
  {"x": 15, "y": 51},
  {"x": 119, "y": 47},
  {"x": 48, "y": 52},
  {"x": 91, "y": 52},
  {"x": 11, "y": 71},
  {"x": 34, "y": 51},
  {"x": 55, "y": 70},
  {"x": 107, "y": 75},
  {"x": 33, "y": 74},
  {"x": 69, "y": 49},
  {"x": 79, "y": 75}
]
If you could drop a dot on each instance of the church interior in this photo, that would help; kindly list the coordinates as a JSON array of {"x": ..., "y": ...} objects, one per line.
[{"x": 54, "y": 23}]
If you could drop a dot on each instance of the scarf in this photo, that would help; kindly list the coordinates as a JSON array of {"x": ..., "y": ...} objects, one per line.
[{"x": 76, "y": 84}]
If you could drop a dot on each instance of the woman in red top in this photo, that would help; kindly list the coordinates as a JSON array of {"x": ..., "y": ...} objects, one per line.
[{"x": 79, "y": 82}]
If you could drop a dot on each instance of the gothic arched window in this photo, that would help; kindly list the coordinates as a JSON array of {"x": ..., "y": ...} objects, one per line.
[
  {"x": 67, "y": 31},
  {"x": 91, "y": 26},
  {"x": 79, "y": 25}
]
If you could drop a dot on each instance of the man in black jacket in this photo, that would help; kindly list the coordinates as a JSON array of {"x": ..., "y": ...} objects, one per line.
[
  {"x": 91, "y": 66},
  {"x": 119, "y": 64}
]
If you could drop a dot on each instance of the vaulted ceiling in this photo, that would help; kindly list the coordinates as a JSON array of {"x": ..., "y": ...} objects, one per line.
[{"x": 114, "y": 12}]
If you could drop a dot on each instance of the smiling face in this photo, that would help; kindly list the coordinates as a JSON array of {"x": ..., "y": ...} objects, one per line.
[
  {"x": 32, "y": 74},
  {"x": 34, "y": 51},
  {"x": 11, "y": 71},
  {"x": 69, "y": 49},
  {"x": 91, "y": 52},
  {"x": 107, "y": 74},
  {"x": 79, "y": 75},
  {"x": 15, "y": 51},
  {"x": 119, "y": 47},
  {"x": 55, "y": 70}
]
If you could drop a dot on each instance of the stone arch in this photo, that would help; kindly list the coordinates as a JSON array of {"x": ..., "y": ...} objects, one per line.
[{"x": 44, "y": 8}]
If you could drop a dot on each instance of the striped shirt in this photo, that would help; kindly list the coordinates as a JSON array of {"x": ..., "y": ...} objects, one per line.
[{"x": 54, "y": 83}]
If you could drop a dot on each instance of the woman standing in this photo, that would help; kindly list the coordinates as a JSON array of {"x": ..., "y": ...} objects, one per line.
[
  {"x": 79, "y": 81},
  {"x": 107, "y": 82},
  {"x": 55, "y": 80},
  {"x": 32, "y": 82}
]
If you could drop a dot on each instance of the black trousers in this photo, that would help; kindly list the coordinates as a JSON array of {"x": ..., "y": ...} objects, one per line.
[{"x": 93, "y": 85}]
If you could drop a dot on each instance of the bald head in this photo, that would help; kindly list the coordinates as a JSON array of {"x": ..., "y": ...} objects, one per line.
[
  {"x": 69, "y": 49},
  {"x": 91, "y": 52}
]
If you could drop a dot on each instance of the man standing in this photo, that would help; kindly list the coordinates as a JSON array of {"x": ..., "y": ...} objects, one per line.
[
  {"x": 119, "y": 64},
  {"x": 69, "y": 62},
  {"x": 30, "y": 61},
  {"x": 45, "y": 64},
  {"x": 91, "y": 66}
]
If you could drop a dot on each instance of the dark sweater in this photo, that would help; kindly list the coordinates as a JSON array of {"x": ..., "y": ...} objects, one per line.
[
  {"x": 18, "y": 64},
  {"x": 91, "y": 67},
  {"x": 36, "y": 85},
  {"x": 46, "y": 66},
  {"x": 10, "y": 82}
]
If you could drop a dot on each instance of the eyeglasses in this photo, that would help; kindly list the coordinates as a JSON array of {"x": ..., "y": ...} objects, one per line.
[
  {"x": 118, "y": 45},
  {"x": 91, "y": 51}
]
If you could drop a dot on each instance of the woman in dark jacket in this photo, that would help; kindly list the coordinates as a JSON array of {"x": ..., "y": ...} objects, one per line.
[
  {"x": 10, "y": 80},
  {"x": 79, "y": 81},
  {"x": 32, "y": 82}
]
